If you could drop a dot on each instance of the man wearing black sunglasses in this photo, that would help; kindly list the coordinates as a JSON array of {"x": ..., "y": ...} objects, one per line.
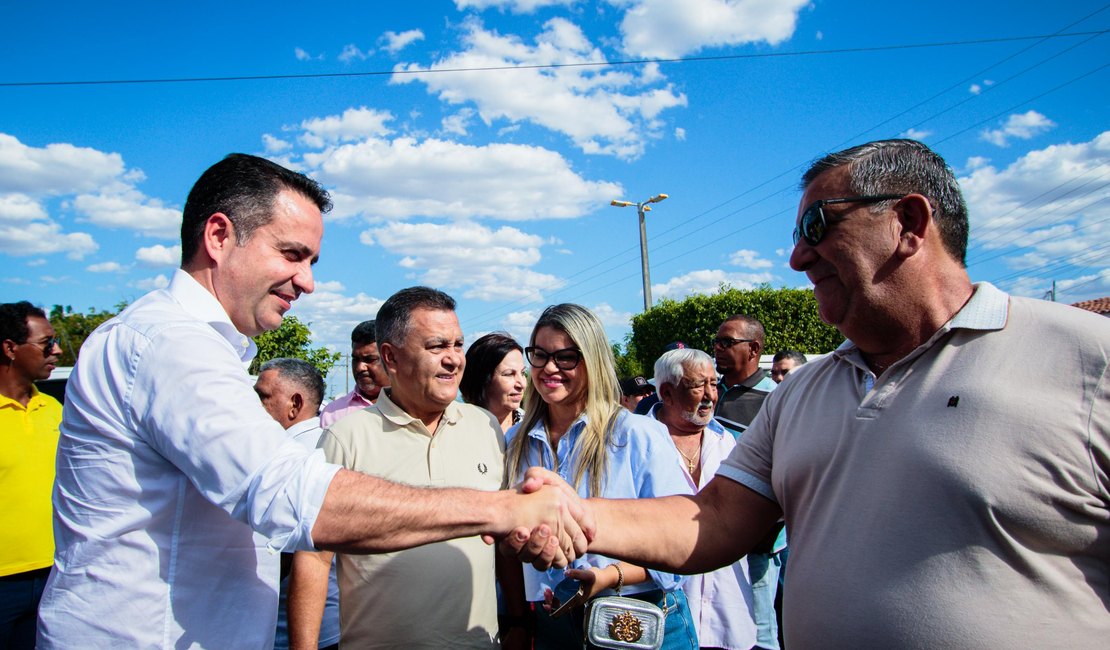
[
  {"x": 29, "y": 423},
  {"x": 945, "y": 473}
]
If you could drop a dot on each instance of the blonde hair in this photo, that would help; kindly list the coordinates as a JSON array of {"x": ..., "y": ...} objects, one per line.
[{"x": 602, "y": 396}]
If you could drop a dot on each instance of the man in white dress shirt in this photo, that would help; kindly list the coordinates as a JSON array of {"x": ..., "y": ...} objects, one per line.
[
  {"x": 721, "y": 601},
  {"x": 175, "y": 489}
]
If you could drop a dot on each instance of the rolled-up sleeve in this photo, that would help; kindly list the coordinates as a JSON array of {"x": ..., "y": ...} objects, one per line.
[{"x": 227, "y": 445}]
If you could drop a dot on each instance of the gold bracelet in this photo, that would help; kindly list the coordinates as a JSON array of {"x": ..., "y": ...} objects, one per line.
[{"x": 620, "y": 578}]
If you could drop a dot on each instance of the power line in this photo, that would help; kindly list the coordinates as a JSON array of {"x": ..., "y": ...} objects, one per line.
[{"x": 547, "y": 66}]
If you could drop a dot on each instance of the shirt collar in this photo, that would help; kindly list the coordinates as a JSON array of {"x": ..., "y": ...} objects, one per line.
[
  {"x": 986, "y": 310},
  {"x": 398, "y": 416},
  {"x": 34, "y": 403},
  {"x": 303, "y": 426},
  {"x": 759, "y": 375},
  {"x": 201, "y": 304}
]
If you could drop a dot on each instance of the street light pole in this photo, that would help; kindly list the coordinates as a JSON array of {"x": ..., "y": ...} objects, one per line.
[{"x": 641, "y": 208}]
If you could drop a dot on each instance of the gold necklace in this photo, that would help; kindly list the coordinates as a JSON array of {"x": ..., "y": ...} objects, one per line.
[{"x": 691, "y": 463}]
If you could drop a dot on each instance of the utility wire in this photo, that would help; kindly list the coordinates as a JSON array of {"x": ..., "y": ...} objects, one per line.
[{"x": 546, "y": 66}]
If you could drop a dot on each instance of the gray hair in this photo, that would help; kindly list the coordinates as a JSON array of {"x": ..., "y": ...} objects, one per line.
[
  {"x": 301, "y": 374},
  {"x": 393, "y": 316},
  {"x": 670, "y": 368},
  {"x": 903, "y": 167}
]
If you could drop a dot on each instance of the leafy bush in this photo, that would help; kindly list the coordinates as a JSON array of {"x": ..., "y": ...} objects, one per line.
[{"x": 788, "y": 315}]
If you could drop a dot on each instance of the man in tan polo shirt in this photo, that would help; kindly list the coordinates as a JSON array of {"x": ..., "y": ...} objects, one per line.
[{"x": 433, "y": 596}]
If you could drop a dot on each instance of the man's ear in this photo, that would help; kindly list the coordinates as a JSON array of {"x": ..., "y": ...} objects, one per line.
[
  {"x": 915, "y": 219},
  {"x": 219, "y": 235},
  {"x": 666, "y": 392},
  {"x": 9, "y": 346},
  {"x": 388, "y": 356},
  {"x": 296, "y": 405}
]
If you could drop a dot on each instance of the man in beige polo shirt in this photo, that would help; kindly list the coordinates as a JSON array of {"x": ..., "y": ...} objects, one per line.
[{"x": 438, "y": 595}]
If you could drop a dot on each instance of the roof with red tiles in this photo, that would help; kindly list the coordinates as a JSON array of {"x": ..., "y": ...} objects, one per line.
[{"x": 1098, "y": 305}]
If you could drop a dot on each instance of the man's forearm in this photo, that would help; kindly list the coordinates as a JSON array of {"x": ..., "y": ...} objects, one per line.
[
  {"x": 365, "y": 514},
  {"x": 307, "y": 598},
  {"x": 683, "y": 534}
]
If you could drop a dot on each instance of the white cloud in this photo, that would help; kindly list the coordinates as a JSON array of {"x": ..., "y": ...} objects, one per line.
[
  {"x": 611, "y": 317},
  {"x": 457, "y": 124},
  {"x": 394, "y": 42},
  {"x": 18, "y": 208},
  {"x": 749, "y": 259},
  {"x": 1046, "y": 212},
  {"x": 55, "y": 168},
  {"x": 121, "y": 206},
  {"x": 1022, "y": 126},
  {"x": 401, "y": 178},
  {"x": 515, "y": 6},
  {"x": 623, "y": 110},
  {"x": 354, "y": 124},
  {"x": 351, "y": 52},
  {"x": 27, "y": 229},
  {"x": 707, "y": 281},
  {"x": 975, "y": 162},
  {"x": 975, "y": 89},
  {"x": 915, "y": 134},
  {"x": 679, "y": 133},
  {"x": 486, "y": 264},
  {"x": 106, "y": 267},
  {"x": 304, "y": 55},
  {"x": 159, "y": 255},
  {"x": 669, "y": 29},
  {"x": 159, "y": 281},
  {"x": 275, "y": 145},
  {"x": 333, "y": 314},
  {"x": 106, "y": 195}
]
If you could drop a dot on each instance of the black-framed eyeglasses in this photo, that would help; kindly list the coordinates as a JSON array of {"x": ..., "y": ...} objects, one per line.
[
  {"x": 565, "y": 359},
  {"x": 814, "y": 224},
  {"x": 726, "y": 342}
]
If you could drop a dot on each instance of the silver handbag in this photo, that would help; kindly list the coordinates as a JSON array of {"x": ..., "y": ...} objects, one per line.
[{"x": 620, "y": 622}]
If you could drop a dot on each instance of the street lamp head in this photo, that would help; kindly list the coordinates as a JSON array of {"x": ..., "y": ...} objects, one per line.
[
  {"x": 621, "y": 204},
  {"x": 657, "y": 198}
]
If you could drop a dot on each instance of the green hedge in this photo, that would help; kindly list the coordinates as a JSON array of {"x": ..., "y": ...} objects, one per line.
[{"x": 788, "y": 315}]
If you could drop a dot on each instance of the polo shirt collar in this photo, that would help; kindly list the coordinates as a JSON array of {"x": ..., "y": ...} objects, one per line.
[
  {"x": 398, "y": 416},
  {"x": 759, "y": 375},
  {"x": 986, "y": 310},
  {"x": 36, "y": 402},
  {"x": 202, "y": 305}
]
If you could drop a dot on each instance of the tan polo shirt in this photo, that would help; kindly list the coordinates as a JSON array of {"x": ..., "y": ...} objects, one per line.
[{"x": 434, "y": 596}]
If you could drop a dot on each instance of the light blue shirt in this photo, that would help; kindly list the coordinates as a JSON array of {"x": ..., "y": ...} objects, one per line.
[
  {"x": 175, "y": 490},
  {"x": 643, "y": 462}
]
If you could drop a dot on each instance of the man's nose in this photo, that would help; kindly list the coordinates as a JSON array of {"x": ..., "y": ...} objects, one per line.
[
  {"x": 803, "y": 256},
  {"x": 303, "y": 280}
]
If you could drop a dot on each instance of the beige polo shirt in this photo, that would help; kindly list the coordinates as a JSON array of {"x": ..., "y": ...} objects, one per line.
[
  {"x": 433, "y": 596},
  {"x": 961, "y": 501}
]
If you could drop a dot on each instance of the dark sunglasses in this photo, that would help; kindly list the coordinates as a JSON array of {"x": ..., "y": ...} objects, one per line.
[
  {"x": 725, "y": 342},
  {"x": 814, "y": 224},
  {"x": 49, "y": 344},
  {"x": 565, "y": 359}
]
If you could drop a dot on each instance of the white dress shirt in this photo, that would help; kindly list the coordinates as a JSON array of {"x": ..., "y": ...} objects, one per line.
[
  {"x": 167, "y": 464},
  {"x": 720, "y": 601}
]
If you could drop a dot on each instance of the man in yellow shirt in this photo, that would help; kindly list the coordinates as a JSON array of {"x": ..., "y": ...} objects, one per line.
[{"x": 28, "y": 440}]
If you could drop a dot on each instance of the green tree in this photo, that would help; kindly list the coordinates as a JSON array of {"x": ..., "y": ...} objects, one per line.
[
  {"x": 788, "y": 315},
  {"x": 292, "y": 339},
  {"x": 73, "y": 327},
  {"x": 628, "y": 365}
]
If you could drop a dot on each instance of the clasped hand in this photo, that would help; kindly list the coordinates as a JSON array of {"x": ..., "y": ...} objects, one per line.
[{"x": 555, "y": 524}]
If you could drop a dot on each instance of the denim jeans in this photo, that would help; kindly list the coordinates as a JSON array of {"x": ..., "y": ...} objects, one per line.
[
  {"x": 679, "y": 632},
  {"x": 764, "y": 571},
  {"x": 19, "y": 605}
]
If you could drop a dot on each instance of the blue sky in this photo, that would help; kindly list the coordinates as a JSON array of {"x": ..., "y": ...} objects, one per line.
[{"x": 494, "y": 185}]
